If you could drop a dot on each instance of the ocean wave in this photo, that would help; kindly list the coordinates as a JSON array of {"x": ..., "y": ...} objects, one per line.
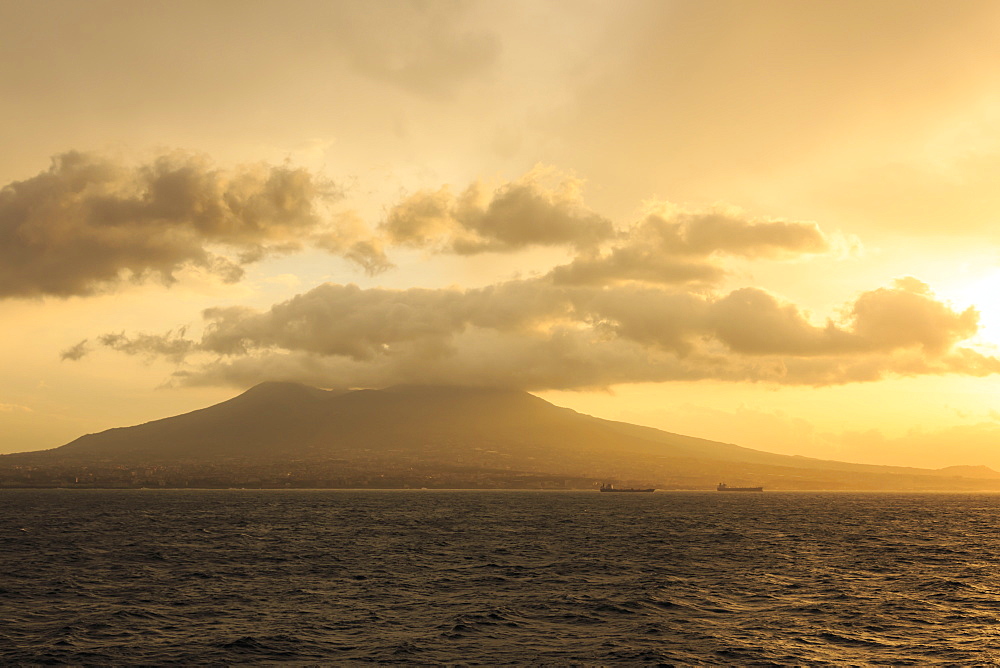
[{"x": 501, "y": 578}]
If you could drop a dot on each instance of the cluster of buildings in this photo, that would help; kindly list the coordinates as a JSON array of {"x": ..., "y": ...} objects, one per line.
[{"x": 299, "y": 475}]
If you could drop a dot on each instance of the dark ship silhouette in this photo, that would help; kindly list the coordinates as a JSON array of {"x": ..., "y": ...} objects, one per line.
[
  {"x": 608, "y": 487},
  {"x": 723, "y": 487}
]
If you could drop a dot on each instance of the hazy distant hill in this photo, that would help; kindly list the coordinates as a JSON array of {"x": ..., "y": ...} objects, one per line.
[{"x": 465, "y": 434}]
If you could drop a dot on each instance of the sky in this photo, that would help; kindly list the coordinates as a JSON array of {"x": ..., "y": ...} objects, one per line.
[{"x": 765, "y": 222}]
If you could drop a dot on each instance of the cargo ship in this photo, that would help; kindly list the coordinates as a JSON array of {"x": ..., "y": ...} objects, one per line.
[
  {"x": 608, "y": 487},
  {"x": 723, "y": 487}
]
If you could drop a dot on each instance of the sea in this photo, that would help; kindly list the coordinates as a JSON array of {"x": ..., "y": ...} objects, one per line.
[{"x": 424, "y": 577}]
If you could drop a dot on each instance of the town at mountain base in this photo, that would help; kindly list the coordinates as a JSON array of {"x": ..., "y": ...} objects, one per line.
[{"x": 279, "y": 435}]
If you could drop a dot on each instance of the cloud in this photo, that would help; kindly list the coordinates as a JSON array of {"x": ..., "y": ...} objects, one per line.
[
  {"x": 753, "y": 322},
  {"x": 172, "y": 346},
  {"x": 88, "y": 222},
  {"x": 635, "y": 263},
  {"x": 76, "y": 352},
  {"x": 349, "y": 237},
  {"x": 536, "y": 334},
  {"x": 884, "y": 320},
  {"x": 15, "y": 408},
  {"x": 908, "y": 315},
  {"x": 517, "y": 215},
  {"x": 673, "y": 245},
  {"x": 728, "y": 231}
]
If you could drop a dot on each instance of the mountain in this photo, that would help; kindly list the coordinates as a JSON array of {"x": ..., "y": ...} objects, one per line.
[{"x": 288, "y": 434}]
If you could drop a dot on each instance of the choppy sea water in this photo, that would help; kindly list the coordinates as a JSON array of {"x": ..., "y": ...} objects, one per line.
[{"x": 425, "y": 577}]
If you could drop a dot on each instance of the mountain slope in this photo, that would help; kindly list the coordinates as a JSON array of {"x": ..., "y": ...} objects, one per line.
[
  {"x": 453, "y": 429},
  {"x": 249, "y": 424},
  {"x": 286, "y": 420}
]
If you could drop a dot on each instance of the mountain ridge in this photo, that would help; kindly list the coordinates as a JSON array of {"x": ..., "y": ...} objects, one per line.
[{"x": 445, "y": 430}]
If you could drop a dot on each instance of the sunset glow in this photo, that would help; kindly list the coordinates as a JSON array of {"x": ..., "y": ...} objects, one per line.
[{"x": 769, "y": 223}]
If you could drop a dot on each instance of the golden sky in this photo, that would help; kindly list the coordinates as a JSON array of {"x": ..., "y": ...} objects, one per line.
[{"x": 764, "y": 222}]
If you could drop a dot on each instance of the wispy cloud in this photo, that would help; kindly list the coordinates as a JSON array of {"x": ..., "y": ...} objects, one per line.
[{"x": 673, "y": 245}]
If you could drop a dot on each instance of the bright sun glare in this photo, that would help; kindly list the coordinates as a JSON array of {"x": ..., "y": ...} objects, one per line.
[{"x": 982, "y": 293}]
